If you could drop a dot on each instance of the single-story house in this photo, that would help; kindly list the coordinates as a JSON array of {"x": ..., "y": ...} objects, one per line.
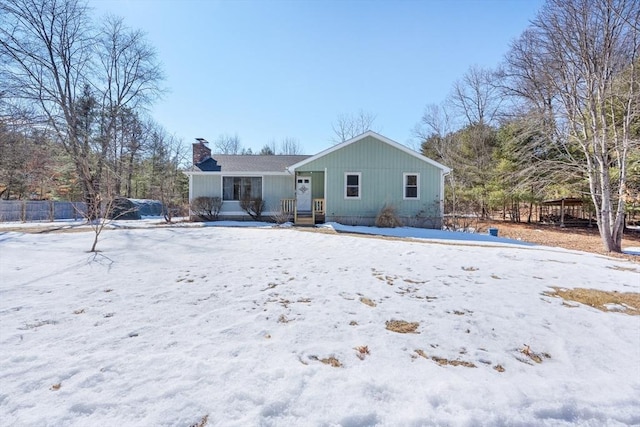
[{"x": 348, "y": 183}]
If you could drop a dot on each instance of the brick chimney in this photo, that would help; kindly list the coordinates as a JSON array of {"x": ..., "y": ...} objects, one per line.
[{"x": 201, "y": 151}]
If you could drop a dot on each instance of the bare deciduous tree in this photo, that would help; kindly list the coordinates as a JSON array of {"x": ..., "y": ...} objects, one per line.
[
  {"x": 348, "y": 126},
  {"x": 290, "y": 146},
  {"x": 228, "y": 144},
  {"x": 578, "y": 66},
  {"x": 477, "y": 97},
  {"x": 50, "y": 52}
]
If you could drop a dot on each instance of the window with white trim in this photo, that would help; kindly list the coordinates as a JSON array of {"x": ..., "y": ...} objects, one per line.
[
  {"x": 240, "y": 187},
  {"x": 352, "y": 184},
  {"x": 411, "y": 186}
]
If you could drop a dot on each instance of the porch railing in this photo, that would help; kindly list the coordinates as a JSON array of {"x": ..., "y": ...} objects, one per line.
[
  {"x": 289, "y": 206},
  {"x": 318, "y": 206}
]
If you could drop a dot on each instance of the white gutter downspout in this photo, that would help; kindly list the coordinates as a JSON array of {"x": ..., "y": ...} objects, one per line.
[{"x": 442, "y": 194}]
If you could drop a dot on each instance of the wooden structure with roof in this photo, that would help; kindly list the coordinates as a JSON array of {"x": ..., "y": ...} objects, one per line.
[{"x": 566, "y": 212}]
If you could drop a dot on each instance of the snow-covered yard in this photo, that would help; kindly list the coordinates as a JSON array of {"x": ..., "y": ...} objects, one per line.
[{"x": 279, "y": 327}]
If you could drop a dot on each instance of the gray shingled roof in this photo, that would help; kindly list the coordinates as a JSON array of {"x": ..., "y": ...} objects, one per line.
[{"x": 254, "y": 163}]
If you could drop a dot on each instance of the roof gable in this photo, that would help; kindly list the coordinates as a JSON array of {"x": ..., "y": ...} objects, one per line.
[{"x": 377, "y": 136}]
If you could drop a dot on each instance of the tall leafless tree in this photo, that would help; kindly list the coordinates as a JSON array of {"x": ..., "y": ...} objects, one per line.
[
  {"x": 290, "y": 146},
  {"x": 49, "y": 60},
  {"x": 228, "y": 144},
  {"x": 476, "y": 97},
  {"x": 348, "y": 126},
  {"x": 578, "y": 66}
]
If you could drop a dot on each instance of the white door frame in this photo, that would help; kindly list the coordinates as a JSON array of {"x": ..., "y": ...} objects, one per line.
[{"x": 303, "y": 193}]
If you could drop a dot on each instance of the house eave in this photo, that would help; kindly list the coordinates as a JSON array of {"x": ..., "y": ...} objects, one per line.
[{"x": 235, "y": 173}]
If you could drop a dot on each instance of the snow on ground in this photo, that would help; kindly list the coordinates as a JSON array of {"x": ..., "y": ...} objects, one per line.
[{"x": 168, "y": 326}]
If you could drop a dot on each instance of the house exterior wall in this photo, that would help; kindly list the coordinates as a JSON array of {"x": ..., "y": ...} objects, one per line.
[
  {"x": 381, "y": 168},
  {"x": 274, "y": 189}
]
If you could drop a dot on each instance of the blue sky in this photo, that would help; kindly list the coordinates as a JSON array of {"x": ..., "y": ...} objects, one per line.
[{"x": 274, "y": 69}]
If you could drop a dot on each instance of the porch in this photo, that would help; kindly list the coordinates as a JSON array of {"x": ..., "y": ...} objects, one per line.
[{"x": 304, "y": 217}]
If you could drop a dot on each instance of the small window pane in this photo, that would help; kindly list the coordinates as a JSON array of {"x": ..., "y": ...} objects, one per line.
[
  {"x": 352, "y": 179},
  {"x": 352, "y": 191},
  {"x": 411, "y": 186}
]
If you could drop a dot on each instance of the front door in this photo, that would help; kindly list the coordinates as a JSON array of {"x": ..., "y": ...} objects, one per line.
[{"x": 303, "y": 193}]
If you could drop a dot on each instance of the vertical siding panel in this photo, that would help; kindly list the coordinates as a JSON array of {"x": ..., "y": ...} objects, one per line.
[{"x": 382, "y": 167}]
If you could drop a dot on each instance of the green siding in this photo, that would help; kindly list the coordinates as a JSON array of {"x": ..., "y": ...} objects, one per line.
[
  {"x": 382, "y": 181},
  {"x": 274, "y": 189}
]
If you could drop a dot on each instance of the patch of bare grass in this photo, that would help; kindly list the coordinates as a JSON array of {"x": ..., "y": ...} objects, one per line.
[
  {"x": 402, "y": 327},
  {"x": 421, "y": 353},
  {"x": 203, "y": 422},
  {"x": 443, "y": 362},
  {"x": 622, "y": 302},
  {"x": 362, "y": 352},
  {"x": 331, "y": 361},
  {"x": 367, "y": 301},
  {"x": 536, "y": 357}
]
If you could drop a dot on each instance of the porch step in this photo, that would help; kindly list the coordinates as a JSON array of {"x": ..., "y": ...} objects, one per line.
[{"x": 304, "y": 220}]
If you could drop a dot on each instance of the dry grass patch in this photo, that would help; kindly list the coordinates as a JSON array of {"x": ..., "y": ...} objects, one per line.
[
  {"x": 331, "y": 361},
  {"x": 362, "y": 351},
  {"x": 499, "y": 368},
  {"x": 367, "y": 301},
  {"x": 536, "y": 357},
  {"x": 443, "y": 362},
  {"x": 402, "y": 327},
  {"x": 203, "y": 422},
  {"x": 56, "y": 387},
  {"x": 421, "y": 353},
  {"x": 623, "y": 302}
]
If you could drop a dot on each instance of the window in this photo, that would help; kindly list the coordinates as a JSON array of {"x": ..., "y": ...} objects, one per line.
[
  {"x": 411, "y": 186},
  {"x": 239, "y": 187},
  {"x": 352, "y": 185}
]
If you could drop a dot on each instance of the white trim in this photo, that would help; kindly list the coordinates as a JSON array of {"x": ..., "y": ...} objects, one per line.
[
  {"x": 442, "y": 193},
  {"x": 249, "y": 173},
  {"x": 404, "y": 185},
  {"x": 265, "y": 214},
  {"x": 359, "y": 174},
  {"x": 324, "y": 192},
  {"x": 378, "y": 137}
]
